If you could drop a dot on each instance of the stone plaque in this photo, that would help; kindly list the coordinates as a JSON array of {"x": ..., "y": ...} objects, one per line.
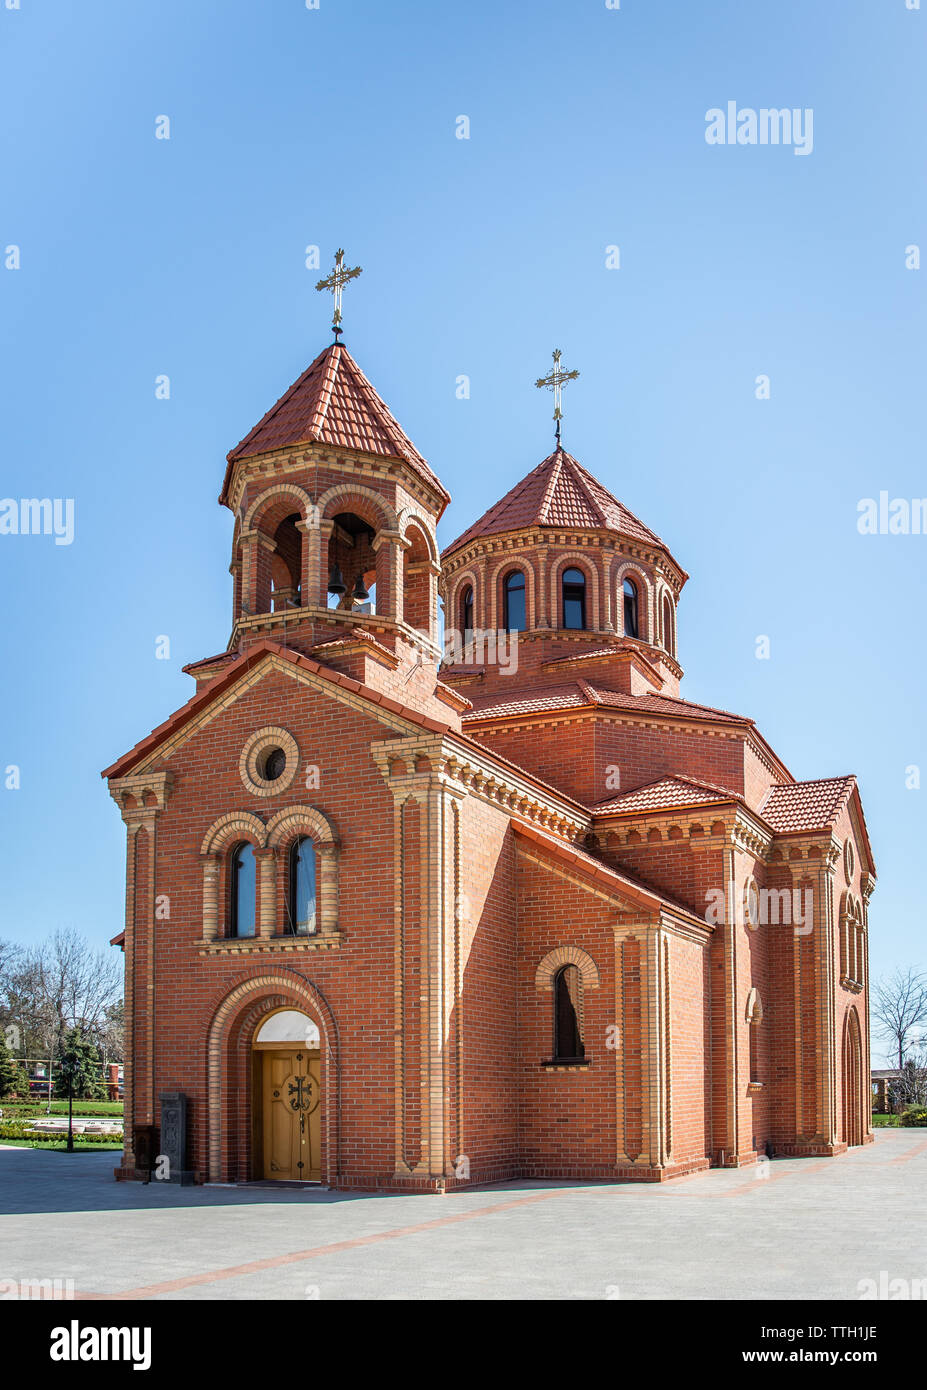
[{"x": 173, "y": 1142}]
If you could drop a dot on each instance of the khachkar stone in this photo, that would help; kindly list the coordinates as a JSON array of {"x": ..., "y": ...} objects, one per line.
[{"x": 173, "y": 1139}]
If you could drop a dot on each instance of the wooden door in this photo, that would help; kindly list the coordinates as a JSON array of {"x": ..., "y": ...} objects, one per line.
[{"x": 291, "y": 1092}]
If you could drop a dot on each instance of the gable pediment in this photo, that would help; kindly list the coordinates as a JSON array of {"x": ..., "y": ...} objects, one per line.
[{"x": 259, "y": 664}]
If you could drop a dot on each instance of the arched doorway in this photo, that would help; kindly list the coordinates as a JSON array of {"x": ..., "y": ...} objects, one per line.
[
  {"x": 234, "y": 1126},
  {"x": 852, "y": 1080},
  {"x": 286, "y": 1098}
]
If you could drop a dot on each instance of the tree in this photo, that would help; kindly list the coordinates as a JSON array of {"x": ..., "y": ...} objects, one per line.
[
  {"x": 911, "y": 1086},
  {"x": 61, "y": 983},
  {"x": 899, "y": 1004},
  {"x": 82, "y": 982},
  {"x": 13, "y": 1078},
  {"x": 112, "y": 1036},
  {"x": 77, "y": 1062}
]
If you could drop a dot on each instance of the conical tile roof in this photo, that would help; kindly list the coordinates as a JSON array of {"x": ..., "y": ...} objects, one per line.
[
  {"x": 332, "y": 403},
  {"x": 559, "y": 493}
]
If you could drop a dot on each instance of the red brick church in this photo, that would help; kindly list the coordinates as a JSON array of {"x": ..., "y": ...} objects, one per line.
[{"x": 409, "y": 920}]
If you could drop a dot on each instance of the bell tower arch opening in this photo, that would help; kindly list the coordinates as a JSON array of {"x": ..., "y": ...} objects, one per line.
[
  {"x": 286, "y": 565},
  {"x": 352, "y": 564}
]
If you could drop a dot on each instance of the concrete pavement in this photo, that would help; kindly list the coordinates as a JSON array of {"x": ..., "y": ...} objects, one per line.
[{"x": 811, "y": 1228}]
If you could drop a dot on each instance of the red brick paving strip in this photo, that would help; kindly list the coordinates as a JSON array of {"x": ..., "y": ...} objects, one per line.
[{"x": 276, "y": 1261}]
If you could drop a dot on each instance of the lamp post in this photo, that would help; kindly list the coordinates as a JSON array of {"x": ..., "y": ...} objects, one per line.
[
  {"x": 67, "y": 1066},
  {"x": 51, "y": 1058}
]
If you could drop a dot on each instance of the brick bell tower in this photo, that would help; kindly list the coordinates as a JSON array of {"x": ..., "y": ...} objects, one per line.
[{"x": 334, "y": 552}]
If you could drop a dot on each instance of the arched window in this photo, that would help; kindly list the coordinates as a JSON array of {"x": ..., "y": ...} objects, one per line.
[
  {"x": 573, "y": 586},
  {"x": 754, "y": 1019},
  {"x": 669, "y": 636},
  {"x": 466, "y": 613},
  {"x": 568, "y": 1038},
  {"x": 515, "y": 616},
  {"x": 631, "y": 609},
  {"x": 242, "y": 885},
  {"x": 301, "y": 903}
]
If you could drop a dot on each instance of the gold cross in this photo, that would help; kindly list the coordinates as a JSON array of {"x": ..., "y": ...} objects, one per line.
[
  {"x": 336, "y": 283},
  {"x": 554, "y": 381}
]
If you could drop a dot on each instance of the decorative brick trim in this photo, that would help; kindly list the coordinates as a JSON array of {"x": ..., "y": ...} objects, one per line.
[
  {"x": 411, "y": 516},
  {"x": 566, "y": 955},
  {"x": 141, "y": 793},
  {"x": 278, "y": 490},
  {"x": 305, "y": 820},
  {"x": 385, "y": 512},
  {"x": 234, "y": 825},
  {"x": 271, "y": 736},
  {"x": 270, "y": 945}
]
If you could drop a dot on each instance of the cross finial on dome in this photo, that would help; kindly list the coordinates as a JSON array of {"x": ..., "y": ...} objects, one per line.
[
  {"x": 554, "y": 381},
  {"x": 336, "y": 283}
]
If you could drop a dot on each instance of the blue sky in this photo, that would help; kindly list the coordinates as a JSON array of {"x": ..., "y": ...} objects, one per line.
[{"x": 293, "y": 127}]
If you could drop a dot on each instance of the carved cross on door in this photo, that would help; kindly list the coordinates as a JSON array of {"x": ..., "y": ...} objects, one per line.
[{"x": 300, "y": 1089}]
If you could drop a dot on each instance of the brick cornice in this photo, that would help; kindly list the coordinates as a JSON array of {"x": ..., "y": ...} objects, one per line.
[
  {"x": 281, "y": 463},
  {"x": 555, "y": 538},
  {"x": 141, "y": 796},
  {"x": 468, "y": 771}
]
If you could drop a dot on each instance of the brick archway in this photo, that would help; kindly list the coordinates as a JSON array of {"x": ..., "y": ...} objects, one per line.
[
  {"x": 228, "y": 1090},
  {"x": 852, "y": 1080},
  {"x": 554, "y": 961}
]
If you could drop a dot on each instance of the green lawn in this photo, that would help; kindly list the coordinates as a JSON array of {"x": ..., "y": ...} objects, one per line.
[
  {"x": 61, "y": 1146},
  {"x": 35, "y": 1109}
]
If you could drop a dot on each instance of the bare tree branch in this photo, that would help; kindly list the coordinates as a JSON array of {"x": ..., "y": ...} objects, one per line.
[{"x": 899, "y": 1004}]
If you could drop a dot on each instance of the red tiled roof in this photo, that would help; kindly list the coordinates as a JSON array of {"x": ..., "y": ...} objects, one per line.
[
  {"x": 223, "y": 657},
  {"x": 806, "y": 805},
  {"x": 665, "y": 794},
  {"x": 579, "y": 694},
  {"x": 332, "y": 403},
  {"x": 558, "y": 493}
]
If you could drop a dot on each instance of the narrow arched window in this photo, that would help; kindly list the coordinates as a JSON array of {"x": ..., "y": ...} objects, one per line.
[
  {"x": 631, "y": 609},
  {"x": 754, "y": 1019},
  {"x": 574, "y": 598},
  {"x": 754, "y": 1051},
  {"x": 301, "y": 905},
  {"x": 466, "y": 614},
  {"x": 515, "y": 617},
  {"x": 242, "y": 886},
  {"x": 669, "y": 636},
  {"x": 568, "y": 1033}
]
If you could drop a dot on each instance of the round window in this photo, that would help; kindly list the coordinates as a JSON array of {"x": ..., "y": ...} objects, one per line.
[
  {"x": 849, "y": 860},
  {"x": 269, "y": 761},
  {"x": 273, "y": 765}
]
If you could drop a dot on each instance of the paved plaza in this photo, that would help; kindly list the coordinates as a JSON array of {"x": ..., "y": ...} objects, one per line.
[{"x": 810, "y": 1228}]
